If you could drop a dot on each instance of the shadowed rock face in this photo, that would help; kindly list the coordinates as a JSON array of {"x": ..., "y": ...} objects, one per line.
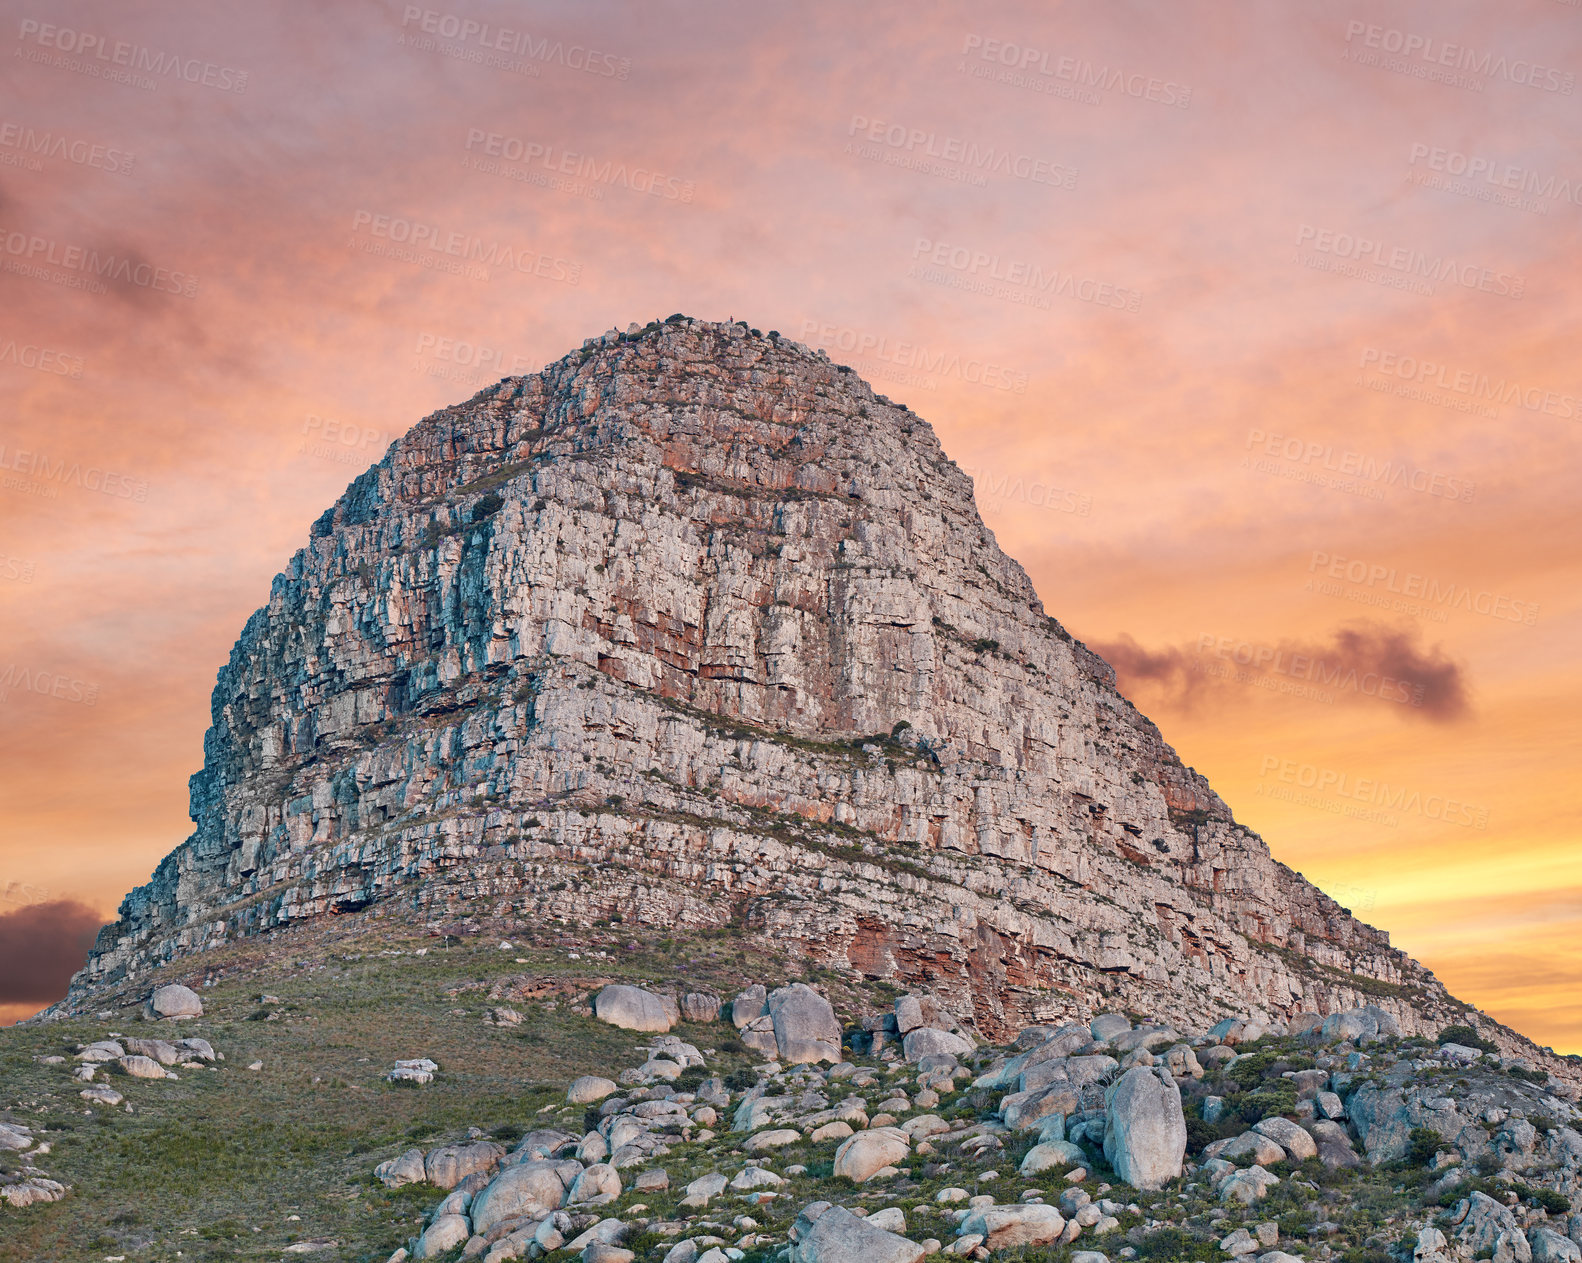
[{"x": 599, "y": 641}]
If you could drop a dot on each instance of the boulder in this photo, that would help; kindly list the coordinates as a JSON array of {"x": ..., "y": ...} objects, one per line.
[
  {"x": 759, "y": 1035},
  {"x": 804, "y": 1025},
  {"x": 32, "y": 1190},
  {"x": 604, "y": 1232},
  {"x": 417, "y": 1070},
  {"x": 751, "y": 1177},
  {"x": 1334, "y": 1145},
  {"x": 1107, "y": 1026},
  {"x": 1024, "y": 1110},
  {"x": 704, "y": 1188},
  {"x": 440, "y": 1237},
  {"x": 174, "y": 1001},
  {"x": 535, "y": 1188},
  {"x": 15, "y": 1136},
  {"x": 595, "y": 1186},
  {"x": 98, "y": 1094},
  {"x": 635, "y": 1008},
  {"x": 838, "y": 1236},
  {"x": 158, "y": 1050},
  {"x": 775, "y": 1138},
  {"x": 449, "y": 1165},
  {"x": 1481, "y": 1223},
  {"x": 1250, "y": 1146},
  {"x": 750, "y": 1004},
  {"x": 908, "y": 1014},
  {"x": 1007, "y": 1227},
  {"x": 866, "y": 1153},
  {"x": 1247, "y": 1186},
  {"x": 1144, "y": 1128},
  {"x": 407, "y": 1169},
  {"x": 1052, "y": 1153},
  {"x": 928, "y": 1040},
  {"x": 1548, "y": 1246},
  {"x": 589, "y": 1088},
  {"x": 1296, "y": 1142},
  {"x": 700, "y": 1006},
  {"x": 142, "y": 1067}
]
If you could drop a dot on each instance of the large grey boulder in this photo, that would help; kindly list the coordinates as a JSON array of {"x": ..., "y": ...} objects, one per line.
[
  {"x": 1109, "y": 1026},
  {"x": 1025, "y": 1110},
  {"x": 595, "y": 1186},
  {"x": 1482, "y": 1225},
  {"x": 838, "y": 1236},
  {"x": 1052, "y": 1154},
  {"x": 1006, "y": 1227},
  {"x": 528, "y": 1188},
  {"x": 869, "y": 1152},
  {"x": 442, "y": 1236},
  {"x": 927, "y": 1041},
  {"x": 1249, "y": 1146},
  {"x": 751, "y": 1003},
  {"x": 1296, "y": 1142},
  {"x": 1334, "y": 1145},
  {"x": 1144, "y": 1128},
  {"x": 1548, "y": 1246},
  {"x": 160, "y": 1050},
  {"x": 174, "y": 1001},
  {"x": 407, "y": 1169},
  {"x": 589, "y": 1088},
  {"x": 805, "y": 1027},
  {"x": 449, "y": 1165},
  {"x": 700, "y": 1006},
  {"x": 635, "y": 1009}
]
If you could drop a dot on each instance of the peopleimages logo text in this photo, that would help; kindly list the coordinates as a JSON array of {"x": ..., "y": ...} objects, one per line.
[
  {"x": 36, "y": 252},
  {"x": 1426, "y": 588},
  {"x": 502, "y": 39},
  {"x": 1377, "y": 793},
  {"x": 1409, "y": 262},
  {"x": 131, "y": 57},
  {"x": 464, "y": 247},
  {"x": 1458, "y": 57}
]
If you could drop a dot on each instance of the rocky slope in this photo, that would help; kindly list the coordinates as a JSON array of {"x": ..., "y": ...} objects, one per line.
[
  {"x": 1322, "y": 1139},
  {"x": 693, "y": 629}
]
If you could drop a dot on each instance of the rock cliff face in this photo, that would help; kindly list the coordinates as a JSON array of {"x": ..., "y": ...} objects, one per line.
[{"x": 692, "y": 628}]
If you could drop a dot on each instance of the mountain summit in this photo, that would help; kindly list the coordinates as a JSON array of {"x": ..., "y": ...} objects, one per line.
[{"x": 694, "y": 629}]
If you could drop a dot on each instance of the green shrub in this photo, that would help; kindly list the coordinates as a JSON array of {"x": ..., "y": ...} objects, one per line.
[
  {"x": 487, "y": 506},
  {"x": 1467, "y": 1037},
  {"x": 1168, "y": 1244},
  {"x": 1421, "y": 1146},
  {"x": 1548, "y": 1200}
]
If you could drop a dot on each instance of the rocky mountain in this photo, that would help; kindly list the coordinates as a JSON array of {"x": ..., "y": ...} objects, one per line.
[{"x": 694, "y": 629}]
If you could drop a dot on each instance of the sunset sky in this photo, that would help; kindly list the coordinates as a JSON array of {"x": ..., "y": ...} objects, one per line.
[{"x": 1256, "y": 324}]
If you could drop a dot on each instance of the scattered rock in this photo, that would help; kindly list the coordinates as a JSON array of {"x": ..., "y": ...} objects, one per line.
[
  {"x": 1006, "y": 1227},
  {"x": 174, "y": 1001},
  {"x": 590, "y": 1088},
  {"x": 864, "y": 1155},
  {"x": 1144, "y": 1128},
  {"x": 407, "y": 1169},
  {"x": 635, "y": 1009},
  {"x": 804, "y": 1024},
  {"x": 838, "y": 1236}
]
